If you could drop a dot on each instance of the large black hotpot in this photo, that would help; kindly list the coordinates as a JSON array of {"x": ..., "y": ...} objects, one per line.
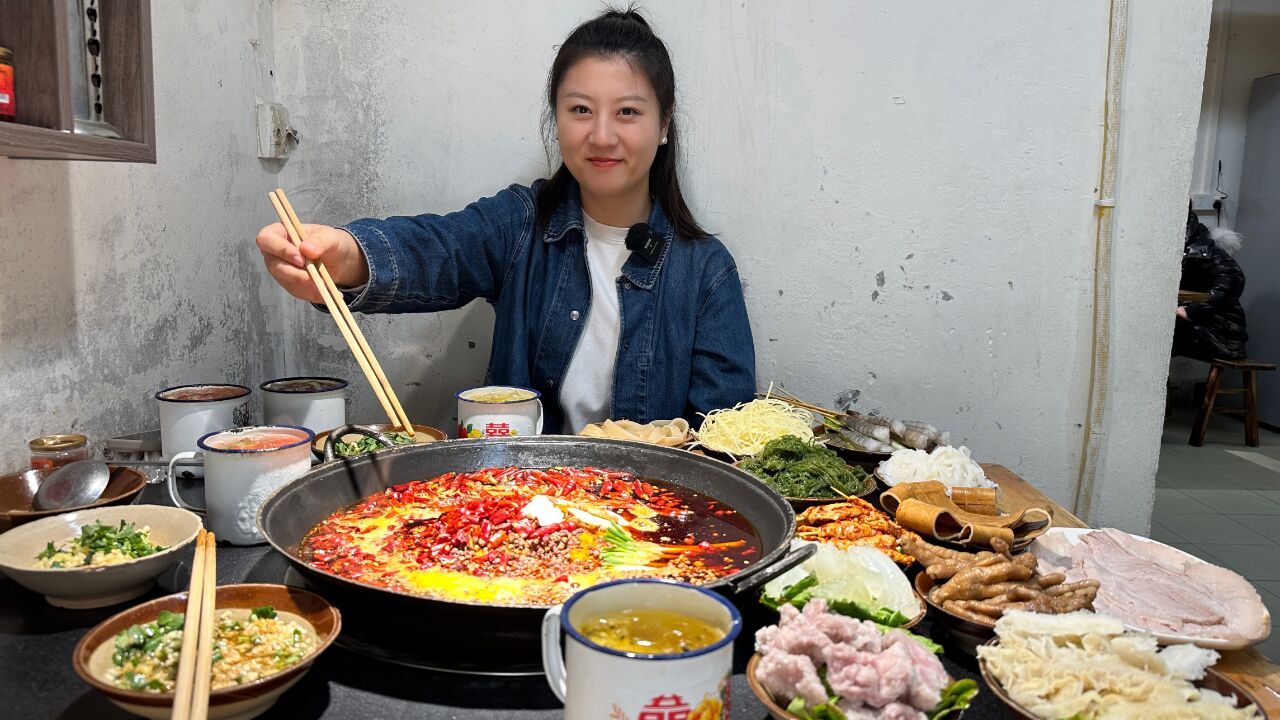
[{"x": 489, "y": 638}]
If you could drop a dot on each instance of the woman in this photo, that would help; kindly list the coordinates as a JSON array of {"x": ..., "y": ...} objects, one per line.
[
  {"x": 600, "y": 330},
  {"x": 1215, "y": 327}
]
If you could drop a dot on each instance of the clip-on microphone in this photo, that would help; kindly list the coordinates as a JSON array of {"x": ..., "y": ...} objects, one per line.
[{"x": 643, "y": 240}]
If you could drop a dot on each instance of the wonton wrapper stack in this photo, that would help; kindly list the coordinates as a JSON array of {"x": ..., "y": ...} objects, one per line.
[{"x": 668, "y": 433}]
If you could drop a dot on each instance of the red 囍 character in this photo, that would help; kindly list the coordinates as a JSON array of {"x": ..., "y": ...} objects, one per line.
[
  {"x": 497, "y": 430},
  {"x": 665, "y": 707}
]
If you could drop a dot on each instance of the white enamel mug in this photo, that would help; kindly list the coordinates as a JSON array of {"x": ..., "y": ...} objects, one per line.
[
  {"x": 598, "y": 682},
  {"x": 188, "y": 412},
  {"x": 519, "y": 416},
  {"x": 241, "y": 468},
  {"x": 315, "y": 403}
]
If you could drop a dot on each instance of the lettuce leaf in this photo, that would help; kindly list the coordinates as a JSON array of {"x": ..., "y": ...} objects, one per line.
[
  {"x": 955, "y": 697},
  {"x": 797, "y": 594},
  {"x": 880, "y": 616},
  {"x": 825, "y": 711}
]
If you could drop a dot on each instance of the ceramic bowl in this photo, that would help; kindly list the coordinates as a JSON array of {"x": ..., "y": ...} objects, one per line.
[
  {"x": 968, "y": 635},
  {"x": 422, "y": 433},
  {"x": 92, "y": 587},
  {"x": 17, "y": 490},
  {"x": 92, "y": 656}
]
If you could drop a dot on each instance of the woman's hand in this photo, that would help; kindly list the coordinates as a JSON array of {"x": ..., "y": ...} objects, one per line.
[
  {"x": 335, "y": 248},
  {"x": 1182, "y": 313}
]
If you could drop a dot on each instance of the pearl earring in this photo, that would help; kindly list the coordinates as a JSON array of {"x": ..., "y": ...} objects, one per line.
[{"x": 663, "y": 141}]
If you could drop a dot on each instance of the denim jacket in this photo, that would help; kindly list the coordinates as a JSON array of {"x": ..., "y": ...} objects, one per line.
[{"x": 684, "y": 344}]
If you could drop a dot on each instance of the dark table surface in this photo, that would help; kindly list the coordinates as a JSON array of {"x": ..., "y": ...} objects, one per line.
[{"x": 37, "y": 680}]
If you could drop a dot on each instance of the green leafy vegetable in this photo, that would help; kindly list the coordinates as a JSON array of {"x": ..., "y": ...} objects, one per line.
[
  {"x": 955, "y": 697},
  {"x": 170, "y": 620},
  {"x": 266, "y": 611},
  {"x": 797, "y": 594},
  {"x": 825, "y": 711},
  {"x": 368, "y": 444},
  {"x": 126, "y": 538},
  {"x": 799, "y": 469}
]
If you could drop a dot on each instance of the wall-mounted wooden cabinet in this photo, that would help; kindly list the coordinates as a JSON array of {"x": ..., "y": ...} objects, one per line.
[{"x": 82, "y": 80}]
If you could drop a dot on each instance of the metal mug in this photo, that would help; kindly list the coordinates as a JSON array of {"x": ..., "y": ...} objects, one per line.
[
  {"x": 315, "y": 403},
  {"x": 520, "y": 416},
  {"x": 187, "y": 413},
  {"x": 585, "y": 675},
  {"x": 239, "y": 479}
]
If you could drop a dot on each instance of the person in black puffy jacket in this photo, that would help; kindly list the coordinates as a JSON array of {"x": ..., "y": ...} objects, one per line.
[{"x": 1214, "y": 328}]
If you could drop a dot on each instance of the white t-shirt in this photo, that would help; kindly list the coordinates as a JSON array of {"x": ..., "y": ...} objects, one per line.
[{"x": 587, "y": 389}]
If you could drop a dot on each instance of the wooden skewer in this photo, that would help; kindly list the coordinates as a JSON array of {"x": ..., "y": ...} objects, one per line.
[
  {"x": 191, "y": 695},
  {"x": 346, "y": 323},
  {"x": 790, "y": 399}
]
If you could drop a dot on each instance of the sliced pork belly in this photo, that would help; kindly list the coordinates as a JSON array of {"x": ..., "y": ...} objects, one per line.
[{"x": 1161, "y": 589}]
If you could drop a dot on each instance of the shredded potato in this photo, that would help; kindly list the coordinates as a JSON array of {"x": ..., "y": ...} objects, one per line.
[{"x": 745, "y": 428}]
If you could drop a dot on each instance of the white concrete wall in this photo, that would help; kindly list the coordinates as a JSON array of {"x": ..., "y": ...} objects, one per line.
[
  {"x": 122, "y": 279},
  {"x": 908, "y": 190},
  {"x": 1159, "y": 101},
  {"x": 1244, "y": 45}
]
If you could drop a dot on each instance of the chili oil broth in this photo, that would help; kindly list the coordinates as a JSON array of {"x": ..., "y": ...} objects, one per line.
[{"x": 537, "y": 567}]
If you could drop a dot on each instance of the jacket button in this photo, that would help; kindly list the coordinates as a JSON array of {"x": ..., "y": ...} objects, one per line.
[
  {"x": 626, "y": 284},
  {"x": 574, "y": 315}
]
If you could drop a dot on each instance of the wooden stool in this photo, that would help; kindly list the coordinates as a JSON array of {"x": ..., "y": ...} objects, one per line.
[{"x": 1249, "y": 370}]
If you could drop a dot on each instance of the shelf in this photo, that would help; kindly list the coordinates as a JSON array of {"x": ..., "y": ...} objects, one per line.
[
  {"x": 27, "y": 142},
  {"x": 38, "y": 33}
]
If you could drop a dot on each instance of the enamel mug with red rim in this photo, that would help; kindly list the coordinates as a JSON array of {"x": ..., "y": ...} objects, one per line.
[{"x": 599, "y": 682}]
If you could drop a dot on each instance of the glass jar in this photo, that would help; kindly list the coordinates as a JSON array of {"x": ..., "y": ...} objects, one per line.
[
  {"x": 7, "y": 102},
  {"x": 53, "y": 451}
]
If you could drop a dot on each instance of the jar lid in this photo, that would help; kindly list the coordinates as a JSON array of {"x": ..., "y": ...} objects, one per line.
[
  {"x": 6, "y": 55},
  {"x": 50, "y": 443}
]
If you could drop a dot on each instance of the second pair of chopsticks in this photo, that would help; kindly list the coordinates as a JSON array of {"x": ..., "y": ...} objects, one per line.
[
  {"x": 337, "y": 306},
  {"x": 195, "y": 661}
]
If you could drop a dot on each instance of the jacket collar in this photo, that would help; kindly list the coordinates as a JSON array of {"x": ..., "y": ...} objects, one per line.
[{"x": 641, "y": 273}]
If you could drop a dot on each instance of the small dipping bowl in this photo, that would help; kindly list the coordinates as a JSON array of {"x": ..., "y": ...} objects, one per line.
[
  {"x": 92, "y": 587},
  {"x": 92, "y": 656}
]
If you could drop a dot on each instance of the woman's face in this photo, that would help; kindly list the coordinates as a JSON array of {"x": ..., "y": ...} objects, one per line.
[{"x": 609, "y": 125}]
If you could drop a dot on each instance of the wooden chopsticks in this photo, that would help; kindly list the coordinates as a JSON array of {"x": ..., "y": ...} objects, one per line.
[
  {"x": 337, "y": 306},
  {"x": 195, "y": 663}
]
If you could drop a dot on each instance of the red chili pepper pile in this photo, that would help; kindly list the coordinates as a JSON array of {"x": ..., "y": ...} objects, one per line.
[{"x": 479, "y": 512}]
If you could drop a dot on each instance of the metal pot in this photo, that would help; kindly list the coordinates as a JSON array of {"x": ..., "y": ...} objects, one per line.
[{"x": 489, "y": 638}]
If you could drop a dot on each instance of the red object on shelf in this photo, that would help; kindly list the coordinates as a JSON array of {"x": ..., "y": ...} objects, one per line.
[{"x": 7, "y": 104}]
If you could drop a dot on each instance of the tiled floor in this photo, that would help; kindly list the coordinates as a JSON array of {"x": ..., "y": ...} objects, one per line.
[{"x": 1221, "y": 502}]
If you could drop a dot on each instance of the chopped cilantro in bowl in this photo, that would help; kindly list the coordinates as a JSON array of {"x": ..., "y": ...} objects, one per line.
[{"x": 99, "y": 544}]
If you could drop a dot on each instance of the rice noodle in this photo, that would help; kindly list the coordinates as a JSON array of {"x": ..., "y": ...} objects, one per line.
[{"x": 950, "y": 466}]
